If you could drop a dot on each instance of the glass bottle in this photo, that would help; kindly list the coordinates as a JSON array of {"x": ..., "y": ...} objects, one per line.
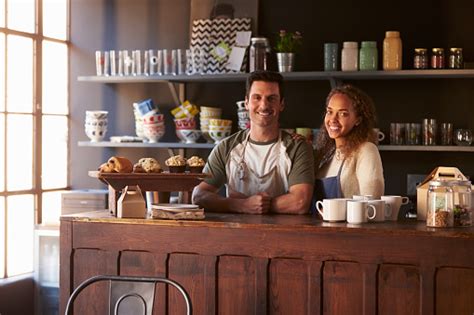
[
  {"x": 259, "y": 49},
  {"x": 462, "y": 210},
  {"x": 437, "y": 58},
  {"x": 350, "y": 56},
  {"x": 420, "y": 59},
  {"x": 455, "y": 58},
  {"x": 392, "y": 51},
  {"x": 440, "y": 204},
  {"x": 368, "y": 59}
]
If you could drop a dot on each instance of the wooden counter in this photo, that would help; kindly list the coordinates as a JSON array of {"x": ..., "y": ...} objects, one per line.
[{"x": 275, "y": 264}]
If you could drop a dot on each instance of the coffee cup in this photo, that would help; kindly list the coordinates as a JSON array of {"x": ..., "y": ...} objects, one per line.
[
  {"x": 358, "y": 211},
  {"x": 383, "y": 210},
  {"x": 332, "y": 210},
  {"x": 395, "y": 203},
  {"x": 363, "y": 197},
  {"x": 379, "y": 135}
]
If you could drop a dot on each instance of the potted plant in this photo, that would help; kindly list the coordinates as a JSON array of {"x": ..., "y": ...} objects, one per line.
[{"x": 287, "y": 44}]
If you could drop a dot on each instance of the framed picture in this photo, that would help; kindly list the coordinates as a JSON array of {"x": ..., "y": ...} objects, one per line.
[{"x": 215, "y": 9}]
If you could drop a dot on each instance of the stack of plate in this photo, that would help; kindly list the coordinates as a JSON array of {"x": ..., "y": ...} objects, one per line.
[{"x": 176, "y": 211}]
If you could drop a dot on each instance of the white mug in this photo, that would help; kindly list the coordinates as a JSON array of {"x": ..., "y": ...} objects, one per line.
[
  {"x": 395, "y": 203},
  {"x": 363, "y": 197},
  {"x": 379, "y": 135},
  {"x": 332, "y": 210},
  {"x": 358, "y": 211},
  {"x": 383, "y": 212}
]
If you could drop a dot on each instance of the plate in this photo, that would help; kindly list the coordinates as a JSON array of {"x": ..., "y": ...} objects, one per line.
[{"x": 175, "y": 207}]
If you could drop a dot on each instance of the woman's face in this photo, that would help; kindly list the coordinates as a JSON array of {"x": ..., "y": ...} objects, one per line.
[{"x": 340, "y": 118}]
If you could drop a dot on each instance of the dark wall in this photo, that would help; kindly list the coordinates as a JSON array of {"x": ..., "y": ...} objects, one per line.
[{"x": 140, "y": 24}]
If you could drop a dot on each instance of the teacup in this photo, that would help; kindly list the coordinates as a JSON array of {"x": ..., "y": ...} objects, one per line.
[
  {"x": 395, "y": 203},
  {"x": 358, "y": 211},
  {"x": 383, "y": 210},
  {"x": 332, "y": 210}
]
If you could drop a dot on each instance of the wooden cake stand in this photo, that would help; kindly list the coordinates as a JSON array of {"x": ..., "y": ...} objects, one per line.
[{"x": 162, "y": 183}]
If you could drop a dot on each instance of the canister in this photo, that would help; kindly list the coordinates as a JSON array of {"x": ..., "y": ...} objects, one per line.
[
  {"x": 462, "y": 210},
  {"x": 368, "y": 59},
  {"x": 259, "y": 49},
  {"x": 420, "y": 59},
  {"x": 331, "y": 60},
  {"x": 392, "y": 51},
  {"x": 437, "y": 58},
  {"x": 455, "y": 58},
  {"x": 350, "y": 56},
  {"x": 440, "y": 204}
]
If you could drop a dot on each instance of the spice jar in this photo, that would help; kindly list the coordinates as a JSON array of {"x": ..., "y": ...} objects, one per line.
[
  {"x": 368, "y": 59},
  {"x": 440, "y": 204},
  {"x": 392, "y": 51},
  {"x": 462, "y": 211},
  {"x": 259, "y": 49},
  {"x": 420, "y": 59},
  {"x": 350, "y": 56},
  {"x": 455, "y": 58},
  {"x": 437, "y": 58}
]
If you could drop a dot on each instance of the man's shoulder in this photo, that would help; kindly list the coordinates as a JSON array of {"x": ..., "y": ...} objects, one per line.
[{"x": 294, "y": 145}]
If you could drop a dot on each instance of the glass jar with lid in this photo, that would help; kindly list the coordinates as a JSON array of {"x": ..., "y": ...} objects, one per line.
[
  {"x": 420, "y": 59},
  {"x": 259, "y": 50},
  {"x": 455, "y": 58},
  {"x": 462, "y": 210},
  {"x": 437, "y": 58},
  {"x": 440, "y": 204}
]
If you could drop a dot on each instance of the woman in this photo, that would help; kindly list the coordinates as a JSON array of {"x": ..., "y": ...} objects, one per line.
[{"x": 347, "y": 160}]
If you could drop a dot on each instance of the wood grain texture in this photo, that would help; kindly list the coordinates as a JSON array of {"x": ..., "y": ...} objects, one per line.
[
  {"x": 399, "y": 290},
  {"x": 233, "y": 264}
]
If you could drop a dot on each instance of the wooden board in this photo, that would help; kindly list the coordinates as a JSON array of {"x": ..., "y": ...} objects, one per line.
[{"x": 151, "y": 181}]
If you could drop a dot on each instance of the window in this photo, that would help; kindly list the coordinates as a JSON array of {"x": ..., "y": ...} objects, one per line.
[{"x": 34, "y": 113}]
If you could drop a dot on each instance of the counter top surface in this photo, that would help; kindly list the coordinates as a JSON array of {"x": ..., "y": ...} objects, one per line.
[{"x": 283, "y": 222}]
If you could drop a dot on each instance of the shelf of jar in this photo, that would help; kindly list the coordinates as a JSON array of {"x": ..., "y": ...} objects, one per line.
[
  {"x": 179, "y": 145},
  {"x": 166, "y": 145},
  {"x": 290, "y": 76},
  {"x": 427, "y": 148}
]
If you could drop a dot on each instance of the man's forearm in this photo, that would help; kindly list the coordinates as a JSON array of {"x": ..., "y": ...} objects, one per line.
[
  {"x": 215, "y": 202},
  {"x": 297, "y": 201}
]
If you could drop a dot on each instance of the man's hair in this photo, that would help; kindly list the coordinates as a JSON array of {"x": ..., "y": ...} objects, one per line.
[{"x": 266, "y": 76}]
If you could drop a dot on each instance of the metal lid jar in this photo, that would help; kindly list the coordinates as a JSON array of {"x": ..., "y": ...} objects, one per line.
[
  {"x": 440, "y": 204},
  {"x": 420, "y": 59},
  {"x": 455, "y": 58},
  {"x": 259, "y": 50},
  {"x": 462, "y": 210},
  {"x": 437, "y": 58}
]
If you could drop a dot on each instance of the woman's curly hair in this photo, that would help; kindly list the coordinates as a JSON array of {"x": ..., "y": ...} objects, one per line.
[{"x": 360, "y": 133}]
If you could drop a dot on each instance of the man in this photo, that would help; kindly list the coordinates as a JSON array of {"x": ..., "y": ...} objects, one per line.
[{"x": 264, "y": 170}]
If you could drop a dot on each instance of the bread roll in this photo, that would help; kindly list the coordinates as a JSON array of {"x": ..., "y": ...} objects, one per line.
[
  {"x": 106, "y": 168},
  {"x": 121, "y": 164}
]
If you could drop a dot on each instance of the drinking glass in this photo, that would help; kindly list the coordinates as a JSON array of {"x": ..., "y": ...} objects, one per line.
[{"x": 463, "y": 137}]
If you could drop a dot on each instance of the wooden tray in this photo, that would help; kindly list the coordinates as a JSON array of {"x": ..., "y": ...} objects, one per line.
[{"x": 165, "y": 181}]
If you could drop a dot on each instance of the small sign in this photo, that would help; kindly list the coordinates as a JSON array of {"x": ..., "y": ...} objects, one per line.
[
  {"x": 242, "y": 39},
  {"x": 236, "y": 58}
]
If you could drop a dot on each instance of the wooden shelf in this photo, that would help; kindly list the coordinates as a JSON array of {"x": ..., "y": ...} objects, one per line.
[
  {"x": 177, "y": 145},
  {"x": 426, "y": 148},
  {"x": 166, "y": 145},
  {"x": 290, "y": 76}
]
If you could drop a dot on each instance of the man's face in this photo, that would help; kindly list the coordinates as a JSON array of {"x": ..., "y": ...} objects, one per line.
[{"x": 264, "y": 103}]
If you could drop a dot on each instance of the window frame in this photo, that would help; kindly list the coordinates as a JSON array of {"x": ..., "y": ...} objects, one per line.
[{"x": 37, "y": 115}]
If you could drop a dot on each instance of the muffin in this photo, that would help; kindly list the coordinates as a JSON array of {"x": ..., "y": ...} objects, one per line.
[
  {"x": 147, "y": 165},
  {"x": 176, "y": 164},
  {"x": 195, "y": 164}
]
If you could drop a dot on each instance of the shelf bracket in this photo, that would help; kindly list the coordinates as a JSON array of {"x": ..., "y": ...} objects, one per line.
[
  {"x": 335, "y": 82},
  {"x": 178, "y": 92}
]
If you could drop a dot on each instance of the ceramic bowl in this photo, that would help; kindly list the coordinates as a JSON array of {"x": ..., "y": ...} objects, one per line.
[
  {"x": 96, "y": 134},
  {"x": 96, "y": 114},
  {"x": 220, "y": 128},
  {"x": 153, "y": 135},
  {"x": 218, "y": 136},
  {"x": 210, "y": 112},
  {"x": 188, "y": 135},
  {"x": 153, "y": 118},
  {"x": 185, "y": 123},
  {"x": 220, "y": 122}
]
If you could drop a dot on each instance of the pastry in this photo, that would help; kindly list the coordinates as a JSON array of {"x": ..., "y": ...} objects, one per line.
[
  {"x": 147, "y": 165},
  {"x": 176, "y": 164},
  {"x": 106, "y": 168},
  {"x": 195, "y": 164},
  {"x": 120, "y": 164}
]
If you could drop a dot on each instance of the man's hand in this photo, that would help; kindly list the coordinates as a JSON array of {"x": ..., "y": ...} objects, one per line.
[{"x": 257, "y": 204}]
